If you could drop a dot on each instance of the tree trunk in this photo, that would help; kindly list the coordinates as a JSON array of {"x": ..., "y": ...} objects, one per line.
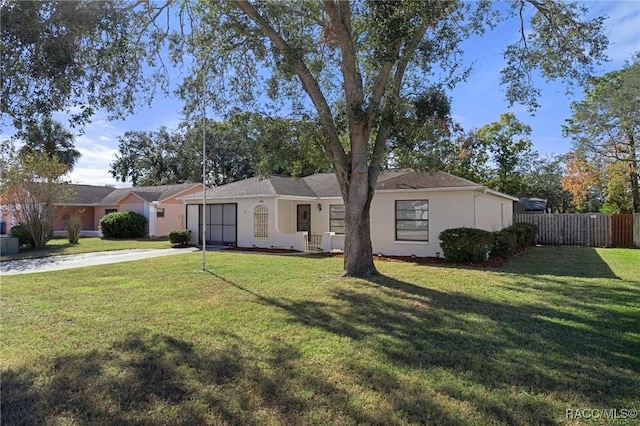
[
  {"x": 358, "y": 251},
  {"x": 358, "y": 188}
]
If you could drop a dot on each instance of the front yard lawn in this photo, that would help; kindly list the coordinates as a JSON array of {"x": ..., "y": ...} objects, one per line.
[
  {"x": 267, "y": 339},
  {"x": 61, "y": 246}
]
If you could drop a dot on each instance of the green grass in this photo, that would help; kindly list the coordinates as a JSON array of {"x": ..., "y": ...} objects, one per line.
[
  {"x": 61, "y": 246},
  {"x": 265, "y": 339}
]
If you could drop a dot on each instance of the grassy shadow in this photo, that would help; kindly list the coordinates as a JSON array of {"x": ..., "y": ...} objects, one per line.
[
  {"x": 150, "y": 379},
  {"x": 579, "y": 262},
  {"x": 540, "y": 350}
]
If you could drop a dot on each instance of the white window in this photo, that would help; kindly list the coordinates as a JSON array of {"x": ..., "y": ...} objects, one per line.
[
  {"x": 261, "y": 223},
  {"x": 159, "y": 212},
  {"x": 412, "y": 220},
  {"x": 336, "y": 218}
]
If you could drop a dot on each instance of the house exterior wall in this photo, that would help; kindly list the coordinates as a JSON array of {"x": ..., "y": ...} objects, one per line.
[
  {"x": 447, "y": 209},
  {"x": 493, "y": 212},
  {"x": 6, "y": 217},
  {"x": 133, "y": 203},
  {"x": 174, "y": 213},
  {"x": 281, "y": 222},
  {"x": 285, "y": 216},
  {"x": 63, "y": 213}
]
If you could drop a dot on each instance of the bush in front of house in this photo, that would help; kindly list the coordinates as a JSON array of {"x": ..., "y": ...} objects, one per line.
[
  {"x": 123, "y": 224},
  {"x": 505, "y": 242},
  {"x": 22, "y": 234},
  {"x": 530, "y": 232},
  {"x": 466, "y": 244},
  {"x": 72, "y": 228},
  {"x": 512, "y": 238},
  {"x": 180, "y": 237}
]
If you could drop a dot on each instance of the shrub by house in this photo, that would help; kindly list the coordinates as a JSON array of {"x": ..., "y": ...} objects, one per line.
[
  {"x": 124, "y": 224},
  {"x": 466, "y": 244},
  {"x": 180, "y": 237}
]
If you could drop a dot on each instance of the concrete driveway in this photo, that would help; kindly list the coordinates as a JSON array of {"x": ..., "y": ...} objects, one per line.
[{"x": 57, "y": 263}]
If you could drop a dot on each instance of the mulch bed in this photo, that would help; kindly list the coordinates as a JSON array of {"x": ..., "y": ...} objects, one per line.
[
  {"x": 263, "y": 250},
  {"x": 492, "y": 262}
]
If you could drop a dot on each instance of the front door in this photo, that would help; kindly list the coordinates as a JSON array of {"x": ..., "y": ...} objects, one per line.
[{"x": 304, "y": 219}]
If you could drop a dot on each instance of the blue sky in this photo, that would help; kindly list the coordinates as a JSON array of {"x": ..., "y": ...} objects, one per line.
[{"x": 478, "y": 101}]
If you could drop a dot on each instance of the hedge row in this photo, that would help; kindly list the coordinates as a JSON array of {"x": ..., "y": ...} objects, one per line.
[
  {"x": 466, "y": 244},
  {"x": 509, "y": 240},
  {"x": 475, "y": 245}
]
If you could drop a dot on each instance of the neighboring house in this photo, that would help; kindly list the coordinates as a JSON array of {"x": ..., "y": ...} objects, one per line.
[
  {"x": 408, "y": 212},
  {"x": 159, "y": 204}
]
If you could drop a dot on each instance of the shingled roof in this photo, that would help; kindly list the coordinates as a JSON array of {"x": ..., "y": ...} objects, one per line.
[
  {"x": 88, "y": 194},
  {"x": 410, "y": 179},
  {"x": 325, "y": 185},
  {"x": 107, "y": 196}
]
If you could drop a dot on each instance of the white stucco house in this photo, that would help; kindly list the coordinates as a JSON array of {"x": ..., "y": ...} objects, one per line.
[{"x": 408, "y": 212}]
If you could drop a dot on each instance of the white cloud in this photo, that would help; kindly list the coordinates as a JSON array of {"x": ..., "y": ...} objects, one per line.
[
  {"x": 624, "y": 24},
  {"x": 93, "y": 176}
]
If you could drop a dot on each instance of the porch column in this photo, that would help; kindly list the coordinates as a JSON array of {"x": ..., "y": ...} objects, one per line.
[{"x": 152, "y": 220}]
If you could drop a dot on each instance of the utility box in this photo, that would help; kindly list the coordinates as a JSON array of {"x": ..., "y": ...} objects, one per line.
[{"x": 9, "y": 246}]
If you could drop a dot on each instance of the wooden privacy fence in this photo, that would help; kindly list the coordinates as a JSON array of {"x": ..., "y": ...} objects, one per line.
[{"x": 585, "y": 229}]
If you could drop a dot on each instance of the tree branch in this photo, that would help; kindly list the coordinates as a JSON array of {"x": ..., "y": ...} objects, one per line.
[
  {"x": 378, "y": 92},
  {"x": 341, "y": 24},
  {"x": 310, "y": 85}
]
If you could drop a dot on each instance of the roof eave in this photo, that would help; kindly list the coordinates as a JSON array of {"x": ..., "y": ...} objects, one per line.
[
  {"x": 178, "y": 193},
  {"x": 452, "y": 188}
]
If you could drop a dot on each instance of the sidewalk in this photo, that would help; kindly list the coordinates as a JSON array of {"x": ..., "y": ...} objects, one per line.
[{"x": 57, "y": 263}]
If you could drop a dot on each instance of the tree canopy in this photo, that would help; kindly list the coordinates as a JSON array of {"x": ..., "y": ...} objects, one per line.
[
  {"x": 348, "y": 65},
  {"x": 509, "y": 151},
  {"x": 243, "y": 146},
  {"x": 605, "y": 127}
]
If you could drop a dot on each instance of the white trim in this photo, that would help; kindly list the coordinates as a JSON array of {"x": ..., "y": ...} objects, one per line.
[
  {"x": 483, "y": 189},
  {"x": 500, "y": 194},
  {"x": 422, "y": 243},
  {"x": 152, "y": 218}
]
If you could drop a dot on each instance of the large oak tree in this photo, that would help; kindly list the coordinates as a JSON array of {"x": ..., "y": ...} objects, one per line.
[{"x": 346, "y": 64}]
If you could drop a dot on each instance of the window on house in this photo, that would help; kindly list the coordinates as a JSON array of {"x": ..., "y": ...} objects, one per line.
[
  {"x": 159, "y": 212},
  {"x": 261, "y": 223},
  {"x": 336, "y": 218},
  {"x": 107, "y": 211},
  {"x": 412, "y": 220}
]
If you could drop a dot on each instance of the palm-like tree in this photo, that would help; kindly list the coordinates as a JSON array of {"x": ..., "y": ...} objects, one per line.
[{"x": 49, "y": 137}]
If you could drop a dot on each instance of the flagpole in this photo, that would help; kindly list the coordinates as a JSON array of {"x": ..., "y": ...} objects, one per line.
[{"x": 204, "y": 182}]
